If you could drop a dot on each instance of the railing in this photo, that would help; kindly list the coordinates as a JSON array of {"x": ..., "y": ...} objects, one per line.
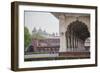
[{"x": 48, "y": 49}]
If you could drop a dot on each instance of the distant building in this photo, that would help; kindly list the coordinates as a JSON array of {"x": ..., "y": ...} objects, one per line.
[
  {"x": 44, "y": 33},
  {"x": 44, "y": 46},
  {"x": 50, "y": 44}
]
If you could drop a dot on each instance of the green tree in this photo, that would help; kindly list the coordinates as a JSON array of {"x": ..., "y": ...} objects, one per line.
[{"x": 27, "y": 37}]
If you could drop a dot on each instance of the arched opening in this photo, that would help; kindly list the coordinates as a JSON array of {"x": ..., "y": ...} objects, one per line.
[
  {"x": 87, "y": 44},
  {"x": 76, "y": 34}
]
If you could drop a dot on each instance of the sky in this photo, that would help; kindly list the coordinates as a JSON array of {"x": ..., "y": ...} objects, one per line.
[{"x": 44, "y": 20}]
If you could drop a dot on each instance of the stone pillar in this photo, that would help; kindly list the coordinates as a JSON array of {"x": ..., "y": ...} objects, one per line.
[
  {"x": 68, "y": 41},
  {"x": 73, "y": 42},
  {"x": 76, "y": 44},
  {"x": 62, "y": 29}
]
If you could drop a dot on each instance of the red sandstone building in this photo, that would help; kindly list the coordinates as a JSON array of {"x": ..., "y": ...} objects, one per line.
[{"x": 45, "y": 45}]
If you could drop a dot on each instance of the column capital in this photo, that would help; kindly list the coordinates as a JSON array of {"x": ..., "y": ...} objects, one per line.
[{"x": 62, "y": 16}]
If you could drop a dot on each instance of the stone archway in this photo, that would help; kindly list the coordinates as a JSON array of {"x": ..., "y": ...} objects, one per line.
[
  {"x": 65, "y": 19},
  {"x": 76, "y": 34}
]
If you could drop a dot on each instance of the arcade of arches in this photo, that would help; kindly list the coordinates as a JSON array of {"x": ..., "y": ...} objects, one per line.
[
  {"x": 74, "y": 31},
  {"x": 76, "y": 34}
]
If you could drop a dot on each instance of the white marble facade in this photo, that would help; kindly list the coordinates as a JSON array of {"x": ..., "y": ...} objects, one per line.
[{"x": 64, "y": 20}]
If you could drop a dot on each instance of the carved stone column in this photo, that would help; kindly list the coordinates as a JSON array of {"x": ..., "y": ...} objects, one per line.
[{"x": 62, "y": 29}]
